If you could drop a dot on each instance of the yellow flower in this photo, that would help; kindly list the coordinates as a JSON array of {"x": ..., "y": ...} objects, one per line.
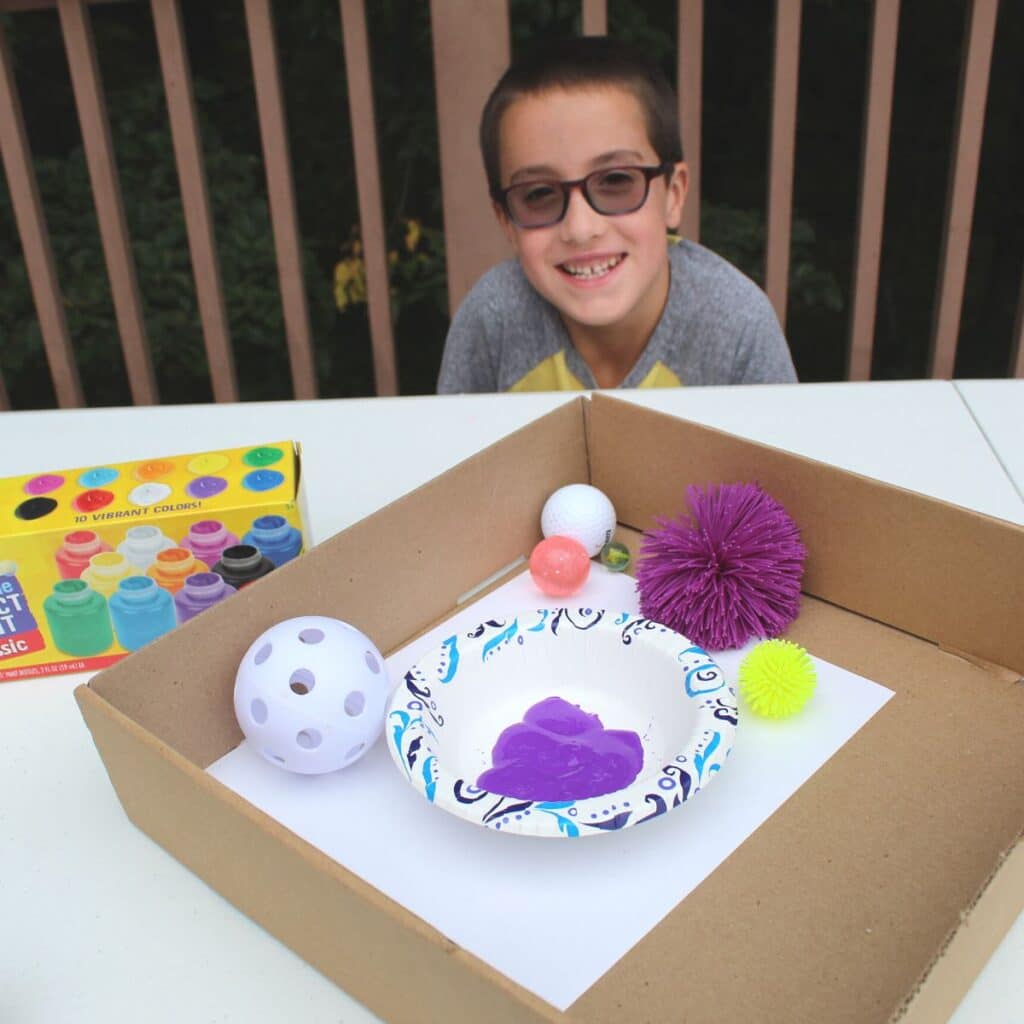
[
  {"x": 412, "y": 234},
  {"x": 349, "y": 282}
]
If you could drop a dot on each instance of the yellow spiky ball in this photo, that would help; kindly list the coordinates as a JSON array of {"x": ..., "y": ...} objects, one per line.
[{"x": 777, "y": 678}]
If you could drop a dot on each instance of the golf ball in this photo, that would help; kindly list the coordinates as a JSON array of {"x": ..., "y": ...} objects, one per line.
[{"x": 582, "y": 512}]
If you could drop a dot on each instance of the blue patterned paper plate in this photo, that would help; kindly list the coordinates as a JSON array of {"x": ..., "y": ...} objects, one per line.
[{"x": 635, "y": 674}]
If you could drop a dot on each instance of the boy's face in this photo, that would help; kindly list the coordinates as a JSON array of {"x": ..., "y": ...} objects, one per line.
[{"x": 598, "y": 271}]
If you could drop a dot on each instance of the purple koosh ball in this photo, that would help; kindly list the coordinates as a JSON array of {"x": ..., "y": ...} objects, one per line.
[{"x": 730, "y": 571}]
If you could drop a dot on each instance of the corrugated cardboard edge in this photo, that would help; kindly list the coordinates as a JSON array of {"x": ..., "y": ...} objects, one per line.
[
  {"x": 276, "y": 879},
  {"x": 882, "y": 566},
  {"x": 458, "y": 987},
  {"x": 982, "y": 927}
]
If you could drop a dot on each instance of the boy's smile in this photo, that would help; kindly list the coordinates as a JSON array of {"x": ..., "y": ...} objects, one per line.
[{"x": 607, "y": 276}]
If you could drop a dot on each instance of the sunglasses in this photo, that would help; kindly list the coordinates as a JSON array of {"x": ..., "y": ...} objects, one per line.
[{"x": 611, "y": 191}]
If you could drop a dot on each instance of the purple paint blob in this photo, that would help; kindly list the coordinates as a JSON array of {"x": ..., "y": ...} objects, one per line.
[
  {"x": 560, "y": 752},
  {"x": 205, "y": 486}
]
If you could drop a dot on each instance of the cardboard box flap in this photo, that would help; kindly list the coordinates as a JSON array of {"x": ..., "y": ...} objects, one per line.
[{"x": 941, "y": 572}]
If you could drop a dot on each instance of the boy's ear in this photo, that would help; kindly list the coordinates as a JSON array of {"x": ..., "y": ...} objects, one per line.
[
  {"x": 506, "y": 225},
  {"x": 675, "y": 195}
]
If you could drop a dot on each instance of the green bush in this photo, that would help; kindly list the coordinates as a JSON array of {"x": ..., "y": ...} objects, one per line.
[{"x": 156, "y": 227}]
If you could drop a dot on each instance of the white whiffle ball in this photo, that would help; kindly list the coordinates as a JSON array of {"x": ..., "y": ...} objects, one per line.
[
  {"x": 311, "y": 694},
  {"x": 582, "y": 512}
]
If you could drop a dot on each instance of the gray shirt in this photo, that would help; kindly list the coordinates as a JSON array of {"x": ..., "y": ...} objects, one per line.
[{"x": 717, "y": 327}]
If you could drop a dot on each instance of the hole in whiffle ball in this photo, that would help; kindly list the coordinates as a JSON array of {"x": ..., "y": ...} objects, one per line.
[
  {"x": 275, "y": 757},
  {"x": 263, "y": 653},
  {"x": 355, "y": 751},
  {"x": 311, "y": 636},
  {"x": 309, "y": 739},
  {"x": 354, "y": 703},
  {"x": 301, "y": 681},
  {"x": 372, "y": 664},
  {"x": 259, "y": 711}
]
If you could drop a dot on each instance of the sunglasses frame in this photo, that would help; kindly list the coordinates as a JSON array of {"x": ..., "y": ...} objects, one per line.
[{"x": 500, "y": 195}]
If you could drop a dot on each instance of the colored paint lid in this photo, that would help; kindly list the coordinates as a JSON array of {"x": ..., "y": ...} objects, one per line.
[
  {"x": 71, "y": 591},
  {"x": 262, "y": 480},
  {"x": 138, "y": 589},
  {"x": 149, "y": 493},
  {"x": 204, "y": 465},
  {"x": 177, "y": 562},
  {"x": 91, "y": 501},
  {"x": 206, "y": 486},
  {"x": 265, "y": 455},
  {"x": 35, "y": 508},
  {"x": 98, "y": 477},
  {"x": 153, "y": 469},
  {"x": 108, "y": 563},
  {"x": 44, "y": 483},
  {"x": 208, "y": 528},
  {"x": 80, "y": 541}
]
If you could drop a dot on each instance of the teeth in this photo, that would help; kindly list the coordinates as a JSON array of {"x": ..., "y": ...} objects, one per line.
[{"x": 592, "y": 269}]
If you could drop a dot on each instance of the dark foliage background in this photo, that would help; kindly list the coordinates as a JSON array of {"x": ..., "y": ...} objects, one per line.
[{"x": 735, "y": 138}]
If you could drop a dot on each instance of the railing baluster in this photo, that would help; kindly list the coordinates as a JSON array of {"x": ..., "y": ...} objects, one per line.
[
  {"x": 595, "y": 17},
  {"x": 106, "y": 191},
  {"x": 35, "y": 241},
  {"x": 785, "y": 76},
  {"x": 689, "y": 85},
  {"x": 963, "y": 182},
  {"x": 874, "y": 168},
  {"x": 1016, "y": 367},
  {"x": 174, "y": 67},
  {"x": 281, "y": 193},
  {"x": 371, "y": 218},
  {"x": 471, "y": 50}
]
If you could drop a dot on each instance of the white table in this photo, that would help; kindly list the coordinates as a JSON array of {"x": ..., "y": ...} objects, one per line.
[
  {"x": 99, "y": 924},
  {"x": 998, "y": 408}
]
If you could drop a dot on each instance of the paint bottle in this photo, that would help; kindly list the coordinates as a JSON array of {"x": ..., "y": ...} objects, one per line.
[
  {"x": 202, "y": 590},
  {"x": 142, "y": 544},
  {"x": 172, "y": 567},
  {"x": 106, "y": 570},
  {"x": 141, "y": 611},
  {"x": 78, "y": 618},
  {"x": 242, "y": 565},
  {"x": 276, "y": 538},
  {"x": 208, "y": 539},
  {"x": 74, "y": 554}
]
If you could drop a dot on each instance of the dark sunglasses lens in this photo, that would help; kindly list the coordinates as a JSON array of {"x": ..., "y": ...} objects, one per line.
[
  {"x": 617, "y": 190},
  {"x": 535, "y": 203}
]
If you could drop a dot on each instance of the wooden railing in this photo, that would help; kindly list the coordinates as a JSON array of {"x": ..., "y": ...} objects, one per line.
[{"x": 471, "y": 47}]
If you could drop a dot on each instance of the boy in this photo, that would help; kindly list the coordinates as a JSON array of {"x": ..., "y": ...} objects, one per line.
[{"x": 583, "y": 158}]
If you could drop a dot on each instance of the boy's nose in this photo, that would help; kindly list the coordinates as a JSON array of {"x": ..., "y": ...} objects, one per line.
[{"x": 581, "y": 221}]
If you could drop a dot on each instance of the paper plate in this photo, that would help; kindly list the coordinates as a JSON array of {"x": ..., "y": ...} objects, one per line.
[{"x": 636, "y": 675}]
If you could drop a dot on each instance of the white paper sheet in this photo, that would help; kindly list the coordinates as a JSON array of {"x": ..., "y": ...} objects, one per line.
[{"x": 552, "y": 915}]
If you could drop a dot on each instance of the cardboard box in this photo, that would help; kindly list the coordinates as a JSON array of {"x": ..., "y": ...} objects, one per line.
[
  {"x": 69, "y": 537},
  {"x": 878, "y": 890}
]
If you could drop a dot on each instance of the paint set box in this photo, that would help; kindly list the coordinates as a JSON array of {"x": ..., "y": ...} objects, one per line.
[{"x": 98, "y": 561}]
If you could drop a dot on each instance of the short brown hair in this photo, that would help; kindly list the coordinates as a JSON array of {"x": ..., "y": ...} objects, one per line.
[{"x": 578, "y": 62}]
